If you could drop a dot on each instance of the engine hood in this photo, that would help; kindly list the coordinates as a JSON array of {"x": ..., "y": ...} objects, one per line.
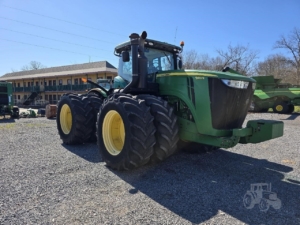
[{"x": 206, "y": 73}]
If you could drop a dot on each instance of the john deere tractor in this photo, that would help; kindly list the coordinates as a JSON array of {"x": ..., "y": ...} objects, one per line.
[{"x": 155, "y": 106}]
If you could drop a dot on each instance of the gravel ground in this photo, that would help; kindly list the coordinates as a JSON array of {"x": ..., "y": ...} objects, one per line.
[{"x": 43, "y": 181}]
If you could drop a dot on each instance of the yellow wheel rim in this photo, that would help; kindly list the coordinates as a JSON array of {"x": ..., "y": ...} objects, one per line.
[
  {"x": 65, "y": 119},
  {"x": 279, "y": 108},
  {"x": 113, "y": 132}
]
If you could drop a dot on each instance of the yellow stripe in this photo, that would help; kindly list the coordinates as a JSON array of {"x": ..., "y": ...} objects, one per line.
[{"x": 186, "y": 74}]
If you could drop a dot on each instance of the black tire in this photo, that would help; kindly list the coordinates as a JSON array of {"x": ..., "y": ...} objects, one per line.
[
  {"x": 95, "y": 102},
  {"x": 125, "y": 132},
  {"x": 165, "y": 122},
  {"x": 281, "y": 107},
  {"x": 255, "y": 108},
  {"x": 291, "y": 109},
  {"x": 78, "y": 129}
]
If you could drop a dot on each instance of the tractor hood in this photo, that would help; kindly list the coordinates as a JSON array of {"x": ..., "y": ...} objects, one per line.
[{"x": 206, "y": 73}]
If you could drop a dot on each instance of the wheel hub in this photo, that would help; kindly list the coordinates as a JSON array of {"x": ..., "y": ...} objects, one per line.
[
  {"x": 279, "y": 108},
  {"x": 113, "y": 132},
  {"x": 65, "y": 119}
]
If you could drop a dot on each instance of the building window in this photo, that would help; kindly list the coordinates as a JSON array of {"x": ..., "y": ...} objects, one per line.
[
  {"x": 46, "y": 97},
  {"x": 58, "y": 97},
  {"x": 32, "y": 83},
  {"x": 50, "y": 82},
  {"x": 28, "y": 84},
  {"x": 14, "y": 84},
  {"x": 45, "y": 83},
  {"x": 76, "y": 81},
  {"x": 36, "y": 83},
  {"x": 24, "y": 84},
  {"x": 54, "y": 82},
  {"x": 18, "y": 84},
  {"x": 60, "y": 82},
  {"x": 69, "y": 81},
  {"x": 54, "y": 97},
  {"x": 19, "y": 97},
  {"x": 41, "y": 83}
]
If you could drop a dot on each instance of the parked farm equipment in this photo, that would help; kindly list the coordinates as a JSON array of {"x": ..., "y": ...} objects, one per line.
[
  {"x": 6, "y": 101},
  {"x": 271, "y": 93},
  {"x": 154, "y": 103}
]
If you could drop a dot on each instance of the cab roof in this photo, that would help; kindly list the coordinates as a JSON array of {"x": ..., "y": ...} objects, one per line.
[{"x": 149, "y": 43}]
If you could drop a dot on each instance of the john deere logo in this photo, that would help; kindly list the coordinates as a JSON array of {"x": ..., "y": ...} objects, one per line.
[{"x": 262, "y": 195}]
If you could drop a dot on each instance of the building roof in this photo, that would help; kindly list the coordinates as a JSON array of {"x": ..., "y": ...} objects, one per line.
[{"x": 85, "y": 68}]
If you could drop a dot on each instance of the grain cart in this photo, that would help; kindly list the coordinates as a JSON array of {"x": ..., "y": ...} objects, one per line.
[
  {"x": 155, "y": 103},
  {"x": 6, "y": 101},
  {"x": 271, "y": 93}
]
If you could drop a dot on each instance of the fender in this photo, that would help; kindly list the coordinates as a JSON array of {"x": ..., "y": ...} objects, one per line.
[{"x": 98, "y": 92}]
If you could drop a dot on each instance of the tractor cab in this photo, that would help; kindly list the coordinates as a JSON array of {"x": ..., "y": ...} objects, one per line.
[{"x": 160, "y": 56}]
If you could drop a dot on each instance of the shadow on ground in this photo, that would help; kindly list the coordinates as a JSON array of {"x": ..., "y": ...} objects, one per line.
[
  {"x": 293, "y": 116},
  {"x": 7, "y": 120},
  {"x": 197, "y": 187},
  {"x": 88, "y": 151}
]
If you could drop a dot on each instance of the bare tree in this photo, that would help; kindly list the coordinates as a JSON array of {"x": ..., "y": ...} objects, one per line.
[
  {"x": 239, "y": 58},
  {"x": 192, "y": 60},
  {"x": 279, "y": 66},
  {"x": 292, "y": 44},
  {"x": 33, "y": 65}
]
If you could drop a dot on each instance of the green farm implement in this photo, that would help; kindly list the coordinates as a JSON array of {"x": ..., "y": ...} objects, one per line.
[
  {"x": 271, "y": 93},
  {"x": 6, "y": 101}
]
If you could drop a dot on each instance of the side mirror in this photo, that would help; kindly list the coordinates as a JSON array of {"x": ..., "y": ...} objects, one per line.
[
  {"x": 125, "y": 56},
  {"x": 180, "y": 64}
]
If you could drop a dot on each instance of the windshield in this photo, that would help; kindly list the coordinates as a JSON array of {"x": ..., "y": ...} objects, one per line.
[
  {"x": 157, "y": 61},
  {"x": 104, "y": 83}
]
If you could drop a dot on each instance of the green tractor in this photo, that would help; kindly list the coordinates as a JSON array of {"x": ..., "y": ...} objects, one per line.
[
  {"x": 6, "y": 101},
  {"x": 155, "y": 107},
  {"x": 271, "y": 93}
]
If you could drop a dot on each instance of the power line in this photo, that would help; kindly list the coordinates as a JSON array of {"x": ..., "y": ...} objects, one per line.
[
  {"x": 56, "y": 30},
  {"x": 53, "y": 39},
  {"x": 62, "y": 50},
  {"x": 66, "y": 21}
]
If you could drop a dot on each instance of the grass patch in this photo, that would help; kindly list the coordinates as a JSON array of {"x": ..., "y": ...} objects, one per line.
[{"x": 7, "y": 126}]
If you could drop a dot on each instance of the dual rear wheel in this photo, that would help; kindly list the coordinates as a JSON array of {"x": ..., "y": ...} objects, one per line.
[{"x": 131, "y": 130}]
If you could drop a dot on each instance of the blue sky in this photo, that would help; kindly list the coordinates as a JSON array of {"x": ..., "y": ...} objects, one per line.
[{"x": 38, "y": 30}]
